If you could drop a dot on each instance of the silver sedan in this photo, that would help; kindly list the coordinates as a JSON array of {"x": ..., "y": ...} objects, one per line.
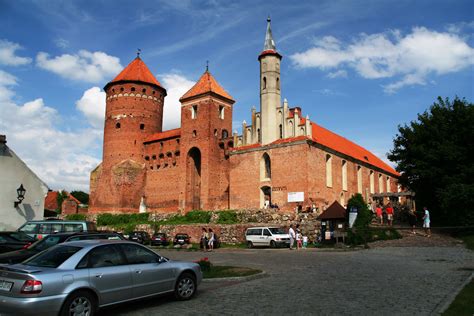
[{"x": 77, "y": 278}]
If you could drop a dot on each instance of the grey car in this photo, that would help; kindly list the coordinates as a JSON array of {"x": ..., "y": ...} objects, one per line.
[{"x": 77, "y": 278}]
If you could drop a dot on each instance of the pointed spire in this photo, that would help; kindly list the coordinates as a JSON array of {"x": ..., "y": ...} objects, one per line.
[
  {"x": 269, "y": 43},
  {"x": 137, "y": 70}
]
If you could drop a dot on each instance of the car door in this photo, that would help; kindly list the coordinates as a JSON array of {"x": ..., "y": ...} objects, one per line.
[
  {"x": 109, "y": 274},
  {"x": 149, "y": 275},
  {"x": 267, "y": 237}
]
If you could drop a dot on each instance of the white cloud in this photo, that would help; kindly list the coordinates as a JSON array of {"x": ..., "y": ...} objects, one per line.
[
  {"x": 83, "y": 66},
  {"x": 338, "y": 74},
  {"x": 6, "y": 81},
  {"x": 92, "y": 105},
  {"x": 61, "y": 43},
  {"x": 7, "y": 54},
  {"x": 61, "y": 159},
  {"x": 412, "y": 57},
  {"x": 176, "y": 86}
]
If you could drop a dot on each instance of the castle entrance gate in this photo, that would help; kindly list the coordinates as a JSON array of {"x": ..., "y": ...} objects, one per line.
[{"x": 193, "y": 179}]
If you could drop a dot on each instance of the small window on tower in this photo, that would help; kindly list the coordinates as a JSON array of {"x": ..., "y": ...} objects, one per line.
[
  {"x": 194, "y": 110},
  {"x": 194, "y": 133},
  {"x": 264, "y": 83},
  {"x": 142, "y": 126},
  {"x": 121, "y": 89},
  {"x": 225, "y": 133},
  {"x": 153, "y": 92},
  {"x": 221, "y": 112},
  {"x": 215, "y": 132},
  {"x": 281, "y": 131},
  {"x": 133, "y": 89},
  {"x": 144, "y": 90},
  {"x": 278, "y": 83},
  {"x": 177, "y": 141},
  {"x": 117, "y": 125}
]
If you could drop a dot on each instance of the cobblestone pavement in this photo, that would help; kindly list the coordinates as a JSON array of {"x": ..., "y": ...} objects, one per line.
[{"x": 381, "y": 281}]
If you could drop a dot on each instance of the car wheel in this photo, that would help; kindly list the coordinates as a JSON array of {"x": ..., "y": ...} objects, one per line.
[
  {"x": 79, "y": 303},
  {"x": 249, "y": 244},
  {"x": 185, "y": 287},
  {"x": 273, "y": 244}
]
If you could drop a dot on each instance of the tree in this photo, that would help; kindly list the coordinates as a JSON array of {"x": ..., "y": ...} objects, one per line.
[
  {"x": 83, "y": 197},
  {"x": 435, "y": 156},
  {"x": 62, "y": 195}
]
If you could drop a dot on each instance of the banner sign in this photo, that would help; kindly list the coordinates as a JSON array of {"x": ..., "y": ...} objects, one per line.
[
  {"x": 352, "y": 216},
  {"x": 295, "y": 197}
]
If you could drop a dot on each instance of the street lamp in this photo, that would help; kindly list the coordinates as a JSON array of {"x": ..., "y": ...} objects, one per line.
[{"x": 20, "y": 195}]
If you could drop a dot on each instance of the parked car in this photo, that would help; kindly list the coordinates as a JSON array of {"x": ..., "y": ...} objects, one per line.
[
  {"x": 40, "y": 229},
  {"x": 77, "y": 278},
  {"x": 267, "y": 236},
  {"x": 181, "y": 239},
  {"x": 52, "y": 240},
  {"x": 141, "y": 237},
  {"x": 10, "y": 241},
  {"x": 159, "y": 239}
]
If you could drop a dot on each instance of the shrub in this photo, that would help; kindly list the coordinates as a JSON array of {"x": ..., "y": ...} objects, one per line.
[
  {"x": 120, "y": 219},
  {"x": 76, "y": 217},
  {"x": 360, "y": 233},
  {"x": 227, "y": 217},
  {"x": 193, "y": 217}
]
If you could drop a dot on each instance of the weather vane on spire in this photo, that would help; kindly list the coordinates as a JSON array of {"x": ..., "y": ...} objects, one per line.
[
  {"x": 138, "y": 52},
  {"x": 207, "y": 65}
]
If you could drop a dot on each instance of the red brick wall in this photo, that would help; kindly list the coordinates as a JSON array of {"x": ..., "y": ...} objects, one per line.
[{"x": 69, "y": 206}]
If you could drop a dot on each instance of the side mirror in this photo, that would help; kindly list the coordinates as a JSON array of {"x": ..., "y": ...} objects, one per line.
[{"x": 162, "y": 259}]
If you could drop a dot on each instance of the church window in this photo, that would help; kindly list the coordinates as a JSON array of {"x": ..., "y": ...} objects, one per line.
[
  {"x": 380, "y": 183},
  {"x": 117, "y": 125},
  {"x": 278, "y": 83},
  {"x": 221, "y": 112},
  {"x": 142, "y": 126},
  {"x": 225, "y": 133},
  {"x": 372, "y": 184},
  {"x": 265, "y": 168},
  {"x": 329, "y": 171},
  {"x": 281, "y": 131},
  {"x": 388, "y": 184},
  {"x": 359, "y": 179},
  {"x": 194, "y": 133},
  {"x": 264, "y": 83},
  {"x": 194, "y": 110},
  {"x": 344, "y": 175}
]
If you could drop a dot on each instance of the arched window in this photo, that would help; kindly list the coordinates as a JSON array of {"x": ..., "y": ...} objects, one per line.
[
  {"x": 264, "y": 83},
  {"x": 194, "y": 111},
  {"x": 344, "y": 175},
  {"x": 117, "y": 125},
  {"x": 372, "y": 184},
  {"x": 278, "y": 83},
  {"x": 359, "y": 179},
  {"x": 225, "y": 133},
  {"x": 221, "y": 112},
  {"x": 388, "y": 184},
  {"x": 380, "y": 183},
  {"x": 265, "y": 168},
  {"x": 329, "y": 170}
]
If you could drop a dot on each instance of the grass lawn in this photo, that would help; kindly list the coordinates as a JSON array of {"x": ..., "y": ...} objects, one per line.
[
  {"x": 464, "y": 302},
  {"x": 228, "y": 272}
]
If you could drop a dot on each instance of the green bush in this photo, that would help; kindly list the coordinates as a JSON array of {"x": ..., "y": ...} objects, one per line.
[
  {"x": 193, "y": 217},
  {"x": 76, "y": 217},
  {"x": 227, "y": 217},
  {"x": 121, "y": 219},
  {"x": 360, "y": 233}
]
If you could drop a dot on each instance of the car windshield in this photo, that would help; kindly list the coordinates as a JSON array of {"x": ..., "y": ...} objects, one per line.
[
  {"x": 53, "y": 257},
  {"x": 45, "y": 243},
  {"x": 21, "y": 236},
  {"x": 277, "y": 231},
  {"x": 181, "y": 236}
]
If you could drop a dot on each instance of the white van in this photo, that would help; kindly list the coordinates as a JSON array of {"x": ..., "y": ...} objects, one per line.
[{"x": 267, "y": 236}]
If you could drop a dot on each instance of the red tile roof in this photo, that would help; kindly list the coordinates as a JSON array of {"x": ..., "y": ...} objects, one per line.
[
  {"x": 335, "y": 211},
  {"x": 71, "y": 197},
  {"x": 137, "y": 71},
  {"x": 269, "y": 52},
  {"x": 206, "y": 84},
  {"x": 163, "y": 135},
  {"x": 338, "y": 143},
  {"x": 51, "y": 201}
]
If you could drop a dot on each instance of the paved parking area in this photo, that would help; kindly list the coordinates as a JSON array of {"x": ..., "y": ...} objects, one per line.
[{"x": 382, "y": 281}]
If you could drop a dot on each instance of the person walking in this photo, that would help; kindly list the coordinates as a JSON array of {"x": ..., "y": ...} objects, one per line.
[
  {"x": 389, "y": 210},
  {"x": 379, "y": 213},
  {"x": 212, "y": 238},
  {"x": 204, "y": 239},
  {"x": 412, "y": 221},
  {"x": 291, "y": 232},
  {"x": 298, "y": 237},
  {"x": 426, "y": 222}
]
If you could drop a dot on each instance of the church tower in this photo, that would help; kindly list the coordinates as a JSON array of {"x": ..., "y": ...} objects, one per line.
[
  {"x": 133, "y": 111},
  {"x": 206, "y": 135},
  {"x": 270, "y": 98}
]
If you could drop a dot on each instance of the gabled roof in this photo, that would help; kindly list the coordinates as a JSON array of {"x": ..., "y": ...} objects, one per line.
[
  {"x": 51, "y": 201},
  {"x": 334, "y": 211},
  {"x": 172, "y": 133},
  {"x": 206, "y": 84},
  {"x": 136, "y": 71},
  {"x": 338, "y": 143}
]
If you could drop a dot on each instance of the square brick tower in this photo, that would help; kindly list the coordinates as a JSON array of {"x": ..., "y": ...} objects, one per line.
[{"x": 206, "y": 126}]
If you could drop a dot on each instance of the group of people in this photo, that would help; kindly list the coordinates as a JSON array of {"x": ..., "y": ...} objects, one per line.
[
  {"x": 412, "y": 219},
  {"x": 379, "y": 208},
  {"x": 207, "y": 239},
  {"x": 297, "y": 235}
]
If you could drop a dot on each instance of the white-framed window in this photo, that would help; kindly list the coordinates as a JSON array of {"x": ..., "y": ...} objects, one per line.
[
  {"x": 344, "y": 175},
  {"x": 221, "y": 112},
  {"x": 388, "y": 184},
  {"x": 380, "y": 183},
  {"x": 372, "y": 182},
  {"x": 329, "y": 170},
  {"x": 359, "y": 179},
  {"x": 194, "y": 111}
]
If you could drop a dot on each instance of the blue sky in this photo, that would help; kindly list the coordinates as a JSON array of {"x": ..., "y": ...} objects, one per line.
[{"x": 359, "y": 68}]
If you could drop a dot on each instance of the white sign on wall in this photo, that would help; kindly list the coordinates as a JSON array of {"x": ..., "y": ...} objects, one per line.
[{"x": 295, "y": 197}]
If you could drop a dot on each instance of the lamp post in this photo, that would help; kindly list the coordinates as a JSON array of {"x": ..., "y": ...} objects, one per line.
[{"x": 20, "y": 195}]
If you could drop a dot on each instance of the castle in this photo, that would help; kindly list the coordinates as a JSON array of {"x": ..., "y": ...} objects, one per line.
[{"x": 282, "y": 159}]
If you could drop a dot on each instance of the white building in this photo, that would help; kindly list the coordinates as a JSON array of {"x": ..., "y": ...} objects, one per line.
[{"x": 14, "y": 173}]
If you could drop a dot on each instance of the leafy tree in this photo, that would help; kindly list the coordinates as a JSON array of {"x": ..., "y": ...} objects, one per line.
[
  {"x": 83, "y": 197},
  {"x": 435, "y": 156},
  {"x": 62, "y": 195}
]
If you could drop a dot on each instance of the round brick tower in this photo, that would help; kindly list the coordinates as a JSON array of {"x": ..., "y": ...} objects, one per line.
[{"x": 134, "y": 110}]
